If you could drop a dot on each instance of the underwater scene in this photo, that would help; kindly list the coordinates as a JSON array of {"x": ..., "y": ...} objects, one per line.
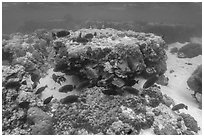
[{"x": 101, "y": 68}]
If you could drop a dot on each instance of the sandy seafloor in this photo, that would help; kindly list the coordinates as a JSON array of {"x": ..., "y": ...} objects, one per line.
[{"x": 177, "y": 87}]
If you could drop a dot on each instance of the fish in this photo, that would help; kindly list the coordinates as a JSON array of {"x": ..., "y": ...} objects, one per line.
[
  {"x": 83, "y": 85},
  {"x": 62, "y": 33},
  {"x": 54, "y": 77},
  {"x": 60, "y": 67},
  {"x": 47, "y": 100},
  {"x": 113, "y": 91},
  {"x": 13, "y": 85},
  {"x": 61, "y": 78},
  {"x": 110, "y": 78},
  {"x": 131, "y": 82},
  {"x": 179, "y": 106},
  {"x": 24, "y": 104},
  {"x": 34, "y": 85},
  {"x": 131, "y": 90},
  {"x": 35, "y": 77},
  {"x": 66, "y": 88},
  {"x": 41, "y": 89},
  {"x": 89, "y": 36},
  {"x": 151, "y": 81},
  {"x": 110, "y": 92},
  {"x": 70, "y": 99}
]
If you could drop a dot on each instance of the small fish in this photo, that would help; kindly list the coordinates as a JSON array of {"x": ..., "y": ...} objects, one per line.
[
  {"x": 70, "y": 99},
  {"x": 35, "y": 77},
  {"x": 66, "y": 88},
  {"x": 179, "y": 106},
  {"x": 110, "y": 78},
  {"x": 34, "y": 85},
  {"x": 54, "y": 77},
  {"x": 41, "y": 89},
  {"x": 13, "y": 85},
  {"x": 47, "y": 100},
  {"x": 89, "y": 36},
  {"x": 110, "y": 92},
  {"x": 61, "y": 78},
  {"x": 83, "y": 85},
  {"x": 62, "y": 33},
  {"x": 151, "y": 81},
  {"x": 131, "y": 82},
  {"x": 24, "y": 104},
  {"x": 131, "y": 90}
]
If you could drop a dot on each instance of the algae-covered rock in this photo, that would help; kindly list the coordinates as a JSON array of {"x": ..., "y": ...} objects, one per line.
[
  {"x": 190, "y": 122},
  {"x": 43, "y": 123},
  {"x": 153, "y": 96},
  {"x": 190, "y": 50},
  {"x": 140, "y": 52},
  {"x": 195, "y": 80},
  {"x": 163, "y": 80}
]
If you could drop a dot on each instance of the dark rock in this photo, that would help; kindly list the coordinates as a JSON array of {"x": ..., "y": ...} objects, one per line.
[
  {"x": 190, "y": 50},
  {"x": 195, "y": 81},
  {"x": 42, "y": 129},
  {"x": 154, "y": 96},
  {"x": 43, "y": 123},
  {"x": 190, "y": 122},
  {"x": 168, "y": 101},
  {"x": 163, "y": 80}
]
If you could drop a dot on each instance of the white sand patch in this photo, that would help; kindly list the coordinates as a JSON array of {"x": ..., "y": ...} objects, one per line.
[
  {"x": 177, "y": 87},
  {"x": 53, "y": 87}
]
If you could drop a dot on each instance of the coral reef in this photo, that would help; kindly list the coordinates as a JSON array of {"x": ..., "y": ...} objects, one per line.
[
  {"x": 166, "y": 122},
  {"x": 104, "y": 60},
  {"x": 147, "y": 51}
]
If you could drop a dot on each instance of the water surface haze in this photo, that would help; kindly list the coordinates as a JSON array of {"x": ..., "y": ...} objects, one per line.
[{"x": 28, "y": 16}]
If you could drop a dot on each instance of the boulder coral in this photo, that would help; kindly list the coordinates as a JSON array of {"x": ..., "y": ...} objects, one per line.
[{"x": 195, "y": 81}]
